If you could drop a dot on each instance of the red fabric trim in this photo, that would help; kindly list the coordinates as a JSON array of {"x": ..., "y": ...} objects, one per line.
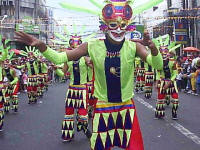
[
  {"x": 32, "y": 89},
  {"x": 1, "y": 105},
  {"x": 148, "y": 84},
  {"x": 117, "y": 110},
  {"x": 69, "y": 111},
  {"x": 136, "y": 140},
  {"x": 16, "y": 89},
  {"x": 175, "y": 95}
]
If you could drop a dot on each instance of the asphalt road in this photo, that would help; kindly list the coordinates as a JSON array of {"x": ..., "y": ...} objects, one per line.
[{"x": 38, "y": 126}]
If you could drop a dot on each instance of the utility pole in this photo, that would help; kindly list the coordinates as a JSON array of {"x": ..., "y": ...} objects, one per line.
[
  {"x": 4, "y": 17},
  {"x": 35, "y": 8},
  {"x": 17, "y": 12}
]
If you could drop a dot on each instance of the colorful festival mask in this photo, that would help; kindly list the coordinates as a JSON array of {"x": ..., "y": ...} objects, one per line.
[
  {"x": 117, "y": 14},
  {"x": 75, "y": 41}
]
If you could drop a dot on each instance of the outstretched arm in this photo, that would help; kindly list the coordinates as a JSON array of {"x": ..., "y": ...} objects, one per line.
[
  {"x": 51, "y": 55},
  {"x": 69, "y": 55}
]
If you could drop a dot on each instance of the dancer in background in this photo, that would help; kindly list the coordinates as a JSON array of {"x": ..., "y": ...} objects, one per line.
[
  {"x": 4, "y": 54},
  {"x": 149, "y": 80},
  {"x": 140, "y": 79},
  {"x": 167, "y": 90},
  {"x": 77, "y": 95},
  {"x": 11, "y": 95},
  {"x": 32, "y": 69}
]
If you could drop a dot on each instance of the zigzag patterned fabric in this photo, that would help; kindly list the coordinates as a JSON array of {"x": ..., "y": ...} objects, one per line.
[
  {"x": 75, "y": 99},
  {"x": 112, "y": 125}
]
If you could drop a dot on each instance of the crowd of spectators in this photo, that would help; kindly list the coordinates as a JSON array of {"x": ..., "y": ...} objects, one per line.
[{"x": 188, "y": 78}]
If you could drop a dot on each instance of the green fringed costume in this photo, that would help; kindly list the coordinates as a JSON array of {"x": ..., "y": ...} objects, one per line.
[
  {"x": 167, "y": 76},
  {"x": 4, "y": 54},
  {"x": 32, "y": 68}
]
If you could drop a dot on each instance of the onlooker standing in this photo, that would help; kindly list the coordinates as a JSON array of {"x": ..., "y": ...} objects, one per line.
[
  {"x": 198, "y": 77},
  {"x": 189, "y": 70},
  {"x": 193, "y": 80},
  {"x": 179, "y": 79},
  {"x": 185, "y": 79}
]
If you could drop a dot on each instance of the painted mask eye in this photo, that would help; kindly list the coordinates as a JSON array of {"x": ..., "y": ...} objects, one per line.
[
  {"x": 108, "y": 11},
  {"x": 127, "y": 12},
  {"x": 113, "y": 25},
  {"x": 123, "y": 26},
  {"x": 79, "y": 42},
  {"x": 71, "y": 41}
]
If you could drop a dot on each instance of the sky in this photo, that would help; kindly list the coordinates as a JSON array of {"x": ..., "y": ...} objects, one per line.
[{"x": 60, "y": 12}]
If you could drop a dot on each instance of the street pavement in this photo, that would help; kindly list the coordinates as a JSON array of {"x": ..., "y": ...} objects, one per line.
[{"x": 38, "y": 126}]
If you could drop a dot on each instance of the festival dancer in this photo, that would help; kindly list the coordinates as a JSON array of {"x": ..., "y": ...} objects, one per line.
[
  {"x": 140, "y": 79},
  {"x": 77, "y": 95},
  {"x": 136, "y": 66},
  {"x": 42, "y": 72},
  {"x": 32, "y": 69},
  {"x": 11, "y": 95},
  {"x": 149, "y": 80},
  {"x": 4, "y": 53},
  {"x": 167, "y": 90},
  {"x": 15, "y": 62},
  {"x": 115, "y": 120}
]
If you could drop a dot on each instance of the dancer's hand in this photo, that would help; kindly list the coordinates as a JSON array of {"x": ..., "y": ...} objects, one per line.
[
  {"x": 146, "y": 41},
  {"x": 30, "y": 40}
]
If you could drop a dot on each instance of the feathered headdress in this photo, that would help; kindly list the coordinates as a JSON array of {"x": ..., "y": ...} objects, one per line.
[
  {"x": 29, "y": 51},
  {"x": 71, "y": 39},
  {"x": 119, "y": 10},
  {"x": 163, "y": 43}
]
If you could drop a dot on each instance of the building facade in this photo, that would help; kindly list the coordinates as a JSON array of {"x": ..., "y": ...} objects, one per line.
[
  {"x": 155, "y": 19},
  {"x": 30, "y": 16},
  {"x": 169, "y": 15},
  {"x": 195, "y": 25}
]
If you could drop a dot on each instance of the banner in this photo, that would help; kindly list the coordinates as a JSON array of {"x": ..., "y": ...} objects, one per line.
[
  {"x": 181, "y": 33},
  {"x": 138, "y": 33},
  {"x": 27, "y": 25}
]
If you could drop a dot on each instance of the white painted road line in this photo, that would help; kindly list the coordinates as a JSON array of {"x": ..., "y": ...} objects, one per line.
[
  {"x": 176, "y": 125},
  {"x": 186, "y": 132}
]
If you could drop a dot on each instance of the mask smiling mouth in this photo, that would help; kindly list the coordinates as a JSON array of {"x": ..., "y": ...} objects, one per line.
[
  {"x": 118, "y": 35},
  {"x": 5, "y": 66}
]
